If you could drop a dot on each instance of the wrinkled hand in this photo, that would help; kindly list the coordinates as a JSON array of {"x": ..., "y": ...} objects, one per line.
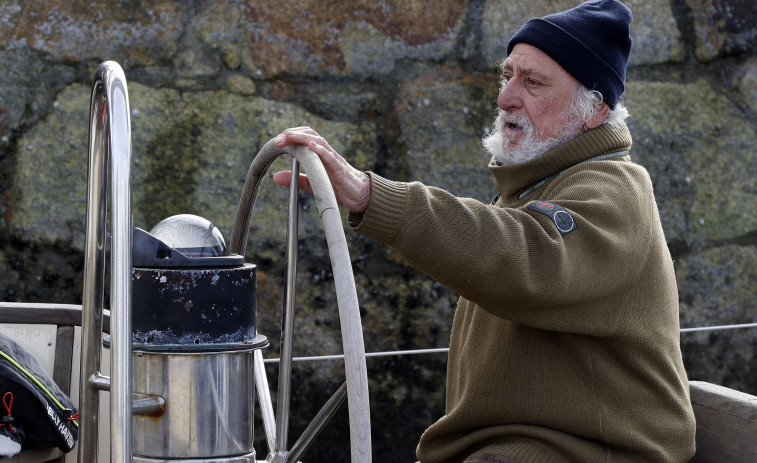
[{"x": 351, "y": 186}]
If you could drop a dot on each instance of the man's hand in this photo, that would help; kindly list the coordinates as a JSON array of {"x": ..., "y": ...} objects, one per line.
[{"x": 351, "y": 186}]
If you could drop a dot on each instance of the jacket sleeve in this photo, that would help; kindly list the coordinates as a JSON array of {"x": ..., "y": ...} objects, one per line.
[{"x": 513, "y": 261}]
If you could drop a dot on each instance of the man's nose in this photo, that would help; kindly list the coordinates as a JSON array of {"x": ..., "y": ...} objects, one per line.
[{"x": 509, "y": 98}]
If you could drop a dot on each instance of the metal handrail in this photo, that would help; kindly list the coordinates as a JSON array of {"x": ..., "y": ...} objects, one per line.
[{"x": 109, "y": 159}]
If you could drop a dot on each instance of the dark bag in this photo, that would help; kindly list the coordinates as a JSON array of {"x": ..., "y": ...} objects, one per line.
[{"x": 34, "y": 412}]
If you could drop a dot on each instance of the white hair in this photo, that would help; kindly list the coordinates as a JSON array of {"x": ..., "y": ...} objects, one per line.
[
  {"x": 586, "y": 101},
  {"x": 617, "y": 115}
]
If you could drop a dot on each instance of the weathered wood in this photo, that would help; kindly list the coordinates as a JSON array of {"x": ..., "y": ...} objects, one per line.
[
  {"x": 42, "y": 314},
  {"x": 64, "y": 355},
  {"x": 726, "y": 424},
  {"x": 45, "y": 314}
]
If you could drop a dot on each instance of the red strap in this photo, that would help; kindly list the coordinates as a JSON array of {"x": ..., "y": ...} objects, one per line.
[{"x": 8, "y": 403}]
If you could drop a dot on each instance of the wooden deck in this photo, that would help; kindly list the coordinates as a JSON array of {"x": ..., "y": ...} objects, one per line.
[{"x": 726, "y": 424}]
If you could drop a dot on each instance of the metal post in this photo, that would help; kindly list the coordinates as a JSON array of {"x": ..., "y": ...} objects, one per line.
[
  {"x": 109, "y": 146},
  {"x": 287, "y": 325},
  {"x": 264, "y": 398},
  {"x": 94, "y": 279}
]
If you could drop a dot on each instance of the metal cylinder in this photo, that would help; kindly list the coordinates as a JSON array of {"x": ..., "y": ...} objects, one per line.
[
  {"x": 193, "y": 339},
  {"x": 209, "y": 406}
]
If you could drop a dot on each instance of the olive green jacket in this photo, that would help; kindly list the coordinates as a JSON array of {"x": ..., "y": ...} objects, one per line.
[{"x": 565, "y": 342}]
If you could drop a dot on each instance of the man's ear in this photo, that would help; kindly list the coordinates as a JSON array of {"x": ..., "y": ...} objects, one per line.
[{"x": 599, "y": 117}]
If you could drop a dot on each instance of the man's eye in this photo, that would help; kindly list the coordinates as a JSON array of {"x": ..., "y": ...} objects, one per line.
[{"x": 532, "y": 82}]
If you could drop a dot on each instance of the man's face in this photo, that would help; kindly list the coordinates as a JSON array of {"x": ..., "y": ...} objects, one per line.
[{"x": 535, "y": 106}]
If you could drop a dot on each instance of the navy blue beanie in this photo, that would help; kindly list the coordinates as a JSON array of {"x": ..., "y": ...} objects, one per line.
[{"x": 591, "y": 41}]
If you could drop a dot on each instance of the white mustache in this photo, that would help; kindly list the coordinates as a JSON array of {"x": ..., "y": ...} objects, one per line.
[{"x": 507, "y": 118}]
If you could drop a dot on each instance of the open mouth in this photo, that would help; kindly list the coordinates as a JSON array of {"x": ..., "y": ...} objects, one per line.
[{"x": 512, "y": 128}]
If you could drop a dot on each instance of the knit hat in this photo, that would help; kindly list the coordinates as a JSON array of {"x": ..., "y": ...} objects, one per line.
[{"x": 591, "y": 41}]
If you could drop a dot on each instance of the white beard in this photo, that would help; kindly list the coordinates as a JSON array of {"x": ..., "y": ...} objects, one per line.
[{"x": 531, "y": 144}]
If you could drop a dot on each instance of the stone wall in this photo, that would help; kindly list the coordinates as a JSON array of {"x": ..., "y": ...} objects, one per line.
[{"x": 403, "y": 88}]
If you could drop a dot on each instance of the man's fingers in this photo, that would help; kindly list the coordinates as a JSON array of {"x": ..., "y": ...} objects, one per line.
[
  {"x": 293, "y": 136},
  {"x": 308, "y": 137},
  {"x": 283, "y": 178},
  {"x": 351, "y": 186}
]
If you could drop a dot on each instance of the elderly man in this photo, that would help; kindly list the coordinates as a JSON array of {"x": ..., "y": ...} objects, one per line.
[{"x": 565, "y": 342}]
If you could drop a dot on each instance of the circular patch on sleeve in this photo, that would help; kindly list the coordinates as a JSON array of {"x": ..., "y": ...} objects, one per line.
[{"x": 560, "y": 216}]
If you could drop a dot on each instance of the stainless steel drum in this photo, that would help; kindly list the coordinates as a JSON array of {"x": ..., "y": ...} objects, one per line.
[{"x": 209, "y": 406}]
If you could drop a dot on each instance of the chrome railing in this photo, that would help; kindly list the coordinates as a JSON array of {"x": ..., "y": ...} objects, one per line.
[{"x": 109, "y": 159}]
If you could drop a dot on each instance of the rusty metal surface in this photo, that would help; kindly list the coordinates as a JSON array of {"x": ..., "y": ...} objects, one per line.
[{"x": 194, "y": 307}]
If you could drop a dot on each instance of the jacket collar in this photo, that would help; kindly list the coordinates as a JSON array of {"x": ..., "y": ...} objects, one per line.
[{"x": 512, "y": 179}]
